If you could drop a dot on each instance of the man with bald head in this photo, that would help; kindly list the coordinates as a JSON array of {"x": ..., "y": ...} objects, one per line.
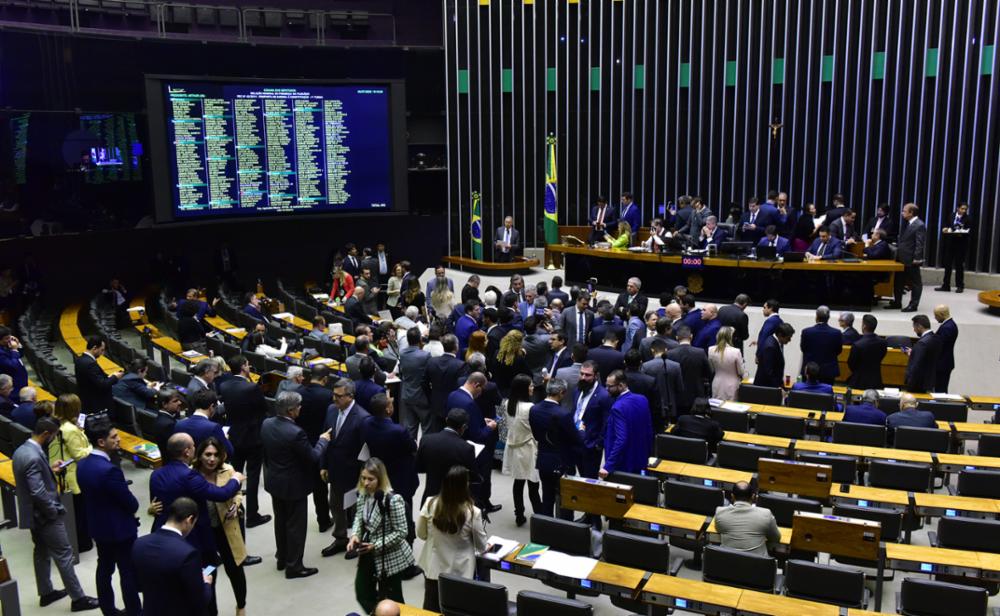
[
  {"x": 387, "y": 607},
  {"x": 482, "y": 430},
  {"x": 745, "y": 526},
  {"x": 707, "y": 334},
  {"x": 947, "y": 335}
]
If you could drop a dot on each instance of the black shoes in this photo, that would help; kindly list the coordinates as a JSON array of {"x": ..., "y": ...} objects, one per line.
[
  {"x": 520, "y": 520},
  {"x": 258, "y": 520},
  {"x": 52, "y": 597},
  {"x": 84, "y": 604},
  {"x": 491, "y": 508},
  {"x": 291, "y": 574},
  {"x": 959, "y": 289},
  {"x": 894, "y": 306},
  {"x": 411, "y": 572},
  {"x": 910, "y": 308},
  {"x": 325, "y": 526},
  {"x": 334, "y": 548},
  {"x": 943, "y": 288},
  {"x": 250, "y": 561},
  {"x": 281, "y": 565}
]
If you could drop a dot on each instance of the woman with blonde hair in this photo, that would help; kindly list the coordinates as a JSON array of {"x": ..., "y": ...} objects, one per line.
[
  {"x": 71, "y": 444},
  {"x": 477, "y": 343},
  {"x": 454, "y": 534},
  {"x": 442, "y": 298},
  {"x": 509, "y": 361},
  {"x": 378, "y": 537},
  {"x": 394, "y": 288},
  {"x": 727, "y": 361},
  {"x": 624, "y": 239}
]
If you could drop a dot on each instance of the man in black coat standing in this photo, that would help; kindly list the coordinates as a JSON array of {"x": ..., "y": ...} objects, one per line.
[
  {"x": 947, "y": 334},
  {"x": 921, "y": 369},
  {"x": 865, "y": 359},
  {"x": 316, "y": 399},
  {"x": 442, "y": 378},
  {"x": 771, "y": 357},
  {"x": 910, "y": 252},
  {"x": 245, "y": 412},
  {"x": 440, "y": 451},
  {"x": 341, "y": 467},
  {"x": 734, "y": 315},
  {"x": 92, "y": 384},
  {"x": 695, "y": 368},
  {"x": 290, "y": 465}
]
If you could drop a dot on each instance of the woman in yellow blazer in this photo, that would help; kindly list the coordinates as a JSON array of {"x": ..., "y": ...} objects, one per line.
[
  {"x": 71, "y": 444},
  {"x": 624, "y": 239}
]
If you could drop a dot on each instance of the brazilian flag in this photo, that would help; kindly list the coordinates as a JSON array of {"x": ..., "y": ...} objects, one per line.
[
  {"x": 551, "y": 216},
  {"x": 477, "y": 227}
]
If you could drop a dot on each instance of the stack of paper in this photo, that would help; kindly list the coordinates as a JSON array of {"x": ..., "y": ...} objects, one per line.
[
  {"x": 282, "y": 315},
  {"x": 191, "y": 353},
  {"x": 735, "y": 406},
  {"x": 531, "y": 552},
  {"x": 951, "y": 397},
  {"x": 890, "y": 392},
  {"x": 577, "y": 567},
  {"x": 506, "y": 547}
]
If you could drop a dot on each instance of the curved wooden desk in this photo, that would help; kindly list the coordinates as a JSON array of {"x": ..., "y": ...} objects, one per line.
[
  {"x": 518, "y": 264},
  {"x": 991, "y": 299}
]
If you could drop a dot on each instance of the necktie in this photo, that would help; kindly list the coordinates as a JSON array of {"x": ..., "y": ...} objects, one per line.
[
  {"x": 506, "y": 239},
  {"x": 555, "y": 360},
  {"x": 383, "y": 267},
  {"x": 600, "y": 215},
  {"x": 578, "y": 418},
  {"x": 753, "y": 217},
  {"x": 774, "y": 243},
  {"x": 958, "y": 222},
  {"x": 341, "y": 416},
  {"x": 822, "y": 249},
  {"x": 580, "y": 332}
]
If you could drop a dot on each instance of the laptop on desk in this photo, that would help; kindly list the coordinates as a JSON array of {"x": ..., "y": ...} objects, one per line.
[
  {"x": 794, "y": 257},
  {"x": 767, "y": 253}
]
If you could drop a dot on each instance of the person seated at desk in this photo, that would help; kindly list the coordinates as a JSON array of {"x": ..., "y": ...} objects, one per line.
[
  {"x": 294, "y": 379},
  {"x": 812, "y": 383},
  {"x": 710, "y": 234},
  {"x": 252, "y": 308},
  {"x": 132, "y": 387},
  {"x": 698, "y": 424},
  {"x": 26, "y": 413},
  {"x": 7, "y": 404},
  {"x": 771, "y": 238},
  {"x": 202, "y": 308},
  {"x": 624, "y": 239},
  {"x": 257, "y": 342},
  {"x": 658, "y": 236},
  {"x": 190, "y": 331},
  {"x": 909, "y": 416},
  {"x": 825, "y": 247},
  {"x": 877, "y": 247},
  {"x": 867, "y": 412},
  {"x": 318, "y": 331},
  {"x": 744, "y": 526}
]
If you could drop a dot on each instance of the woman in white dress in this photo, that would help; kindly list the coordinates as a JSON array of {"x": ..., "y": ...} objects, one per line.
[
  {"x": 521, "y": 449},
  {"x": 727, "y": 361}
]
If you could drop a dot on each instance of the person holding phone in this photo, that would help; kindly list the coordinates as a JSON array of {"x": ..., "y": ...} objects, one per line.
[
  {"x": 454, "y": 534},
  {"x": 71, "y": 444},
  {"x": 378, "y": 538}
]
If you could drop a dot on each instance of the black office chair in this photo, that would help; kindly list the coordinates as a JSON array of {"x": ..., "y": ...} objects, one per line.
[
  {"x": 945, "y": 411},
  {"x": 214, "y": 344},
  {"x": 888, "y": 405},
  {"x": 123, "y": 415},
  {"x": 989, "y": 445},
  {"x": 5, "y": 436},
  {"x": 922, "y": 439},
  {"x": 563, "y": 536},
  {"x": 530, "y": 603},
  {"x": 825, "y": 583},
  {"x": 742, "y": 569},
  {"x": 645, "y": 489},
  {"x": 681, "y": 448},
  {"x": 979, "y": 483},
  {"x": 756, "y": 394},
  {"x": 464, "y": 597},
  {"x": 18, "y": 435},
  {"x": 810, "y": 400},
  {"x": 180, "y": 376},
  {"x": 845, "y": 468},
  {"x": 780, "y": 425},
  {"x": 920, "y": 597},
  {"x": 147, "y": 422},
  {"x": 909, "y": 476},
  {"x": 967, "y": 534},
  {"x": 784, "y": 507},
  {"x": 742, "y": 456},
  {"x": 731, "y": 421},
  {"x": 646, "y": 553},
  {"x": 692, "y": 498},
  {"x": 890, "y": 519},
  {"x": 850, "y": 433}
]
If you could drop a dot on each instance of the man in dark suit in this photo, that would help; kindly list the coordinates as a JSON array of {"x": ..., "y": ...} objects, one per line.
[
  {"x": 734, "y": 315},
  {"x": 707, "y": 336},
  {"x": 663, "y": 333},
  {"x": 354, "y": 307},
  {"x": 10, "y": 359},
  {"x": 590, "y": 405},
  {"x": 908, "y": 416},
  {"x": 692, "y": 316},
  {"x": 204, "y": 374},
  {"x": 482, "y": 430},
  {"x": 602, "y": 218},
  {"x": 168, "y": 568},
  {"x": 392, "y": 443},
  {"x": 442, "y": 377},
  {"x": 607, "y": 322},
  {"x": 848, "y": 334},
  {"x": 628, "y": 434},
  {"x": 955, "y": 241},
  {"x": 754, "y": 221},
  {"x": 252, "y": 308},
  {"x": 843, "y": 228},
  {"x": 695, "y": 368},
  {"x": 560, "y": 444},
  {"x": 644, "y": 385},
  {"x": 199, "y": 424},
  {"x": 556, "y": 292},
  {"x": 822, "y": 344},
  {"x": 772, "y": 239},
  {"x": 771, "y": 357},
  {"x": 92, "y": 384},
  {"x": 560, "y": 356},
  {"x": 910, "y": 252},
  {"x": 771, "y": 321},
  {"x": 630, "y": 213},
  {"x": 877, "y": 247},
  {"x": 947, "y": 334},
  {"x": 825, "y": 247},
  {"x": 578, "y": 320},
  {"x": 362, "y": 349},
  {"x": 40, "y": 509},
  {"x": 290, "y": 463},
  {"x": 110, "y": 509},
  {"x": 507, "y": 241},
  {"x": 669, "y": 383},
  {"x": 867, "y": 412},
  {"x": 316, "y": 399},
  {"x": 881, "y": 221},
  {"x": 607, "y": 356},
  {"x": 629, "y": 295},
  {"x": 245, "y": 411},
  {"x": 921, "y": 369},
  {"x": 132, "y": 388},
  {"x": 416, "y": 409},
  {"x": 171, "y": 403},
  {"x": 365, "y": 387},
  {"x": 865, "y": 359},
  {"x": 352, "y": 264},
  {"x": 439, "y": 451},
  {"x": 340, "y": 465}
]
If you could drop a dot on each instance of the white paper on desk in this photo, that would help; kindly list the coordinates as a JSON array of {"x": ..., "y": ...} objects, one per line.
[
  {"x": 235, "y": 330},
  {"x": 322, "y": 297},
  {"x": 954, "y": 397},
  {"x": 506, "y": 547},
  {"x": 892, "y": 392},
  {"x": 578, "y": 567},
  {"x": 477, "y": 447},
  {"x": 350, "y": 498},
  {"x": 136, "y": 309},
  {"x": 191, "y": 353},
  {"x": 282, "y": 315},
  {"x": 364, "y": 454},
  {"x": 735, "y": 406}
]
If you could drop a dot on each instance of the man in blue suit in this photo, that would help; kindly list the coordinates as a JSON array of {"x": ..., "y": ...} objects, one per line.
[
  {"x": 771, "y": 322},
  {"x": 366, "y": 388},
  {"x": 466, "y": 324},
  {"x": 560, "y": 446},
  {"x": 482, "y": 430},
  {"x": 346, "y": 418},
  {"x": 877, "y": 247},
  {"x": 822, "y": 344},
  {"x": 252, "y": 308},
  {"x": 771, "y": 357},
  {"x": 867, "y": 412},
  {"x": 629, "y": 212},
  {"x": 710, "y": 329},
  {"x": 591, "y": 404},
  {"x": 692, "y": 318},
  {"x": 199, "y": 424},
  {"x": 755, "y": 220},
  {"x": 771, "y": 238},
  {"x": 10, "y": 359},
  {"x": 169, "y": 568},
  {"x": 110, "y": 509},
  {"x": 947, "y": 334},
  {"x": 711, "y": 234},
  {"x": 825, "y": 247},
  {"x": 602, "y": 218},
  {"x": 392, "y": 443},
  {"x": 628, "y": 435}
]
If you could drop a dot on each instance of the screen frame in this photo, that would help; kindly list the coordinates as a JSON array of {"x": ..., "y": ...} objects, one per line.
[{"x": 159, "y": 156}]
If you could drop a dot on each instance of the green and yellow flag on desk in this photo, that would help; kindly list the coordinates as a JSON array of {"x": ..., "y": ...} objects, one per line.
[
  {"x": 477, "y": 227},
  {"x": 551, "y": 215}
]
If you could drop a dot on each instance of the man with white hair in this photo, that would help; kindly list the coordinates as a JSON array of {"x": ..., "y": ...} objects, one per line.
[
  {"x": 293, "y": 379},
  {"x": 490, "y": 299},
  {"x": 846, "y": 322},
  {"x": 631, "y": 294},
  {"x": 6, "y": 393},
  {"x": 24, "y": 413},
  {"x": 527, "y": 307}
]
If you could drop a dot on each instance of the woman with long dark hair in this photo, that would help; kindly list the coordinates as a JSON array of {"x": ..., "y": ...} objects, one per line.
[{"x": 521, "y": 450}]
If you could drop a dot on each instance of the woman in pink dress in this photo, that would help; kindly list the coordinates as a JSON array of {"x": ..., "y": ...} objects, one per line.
[{"x": 727, "y": 361}]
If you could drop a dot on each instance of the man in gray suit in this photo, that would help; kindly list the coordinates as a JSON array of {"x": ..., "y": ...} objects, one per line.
[
  {"x": 40, "y": 510},
  {"x": 536, "y": 348},
  {"x": 910, "y": 252},
  {"x": 416, "y": 410},
  {"x": 507, "y": 241},
  {"x": 572, "y": 319},
  {"x": 668, "y": 377},
  {"x": 571, "y": 373},
  {"x": 699, "y": 214},
  {"x": 745, "y": 526},
  {"x": 204, "y": 373},
  {"x": 353, "y": 361}
]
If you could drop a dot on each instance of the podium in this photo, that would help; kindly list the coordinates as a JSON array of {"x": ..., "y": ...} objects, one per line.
[{"x": 793, "y": 477}]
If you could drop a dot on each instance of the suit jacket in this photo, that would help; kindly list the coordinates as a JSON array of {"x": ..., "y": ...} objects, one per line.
[
  {"x": 438, "y": 452},
  {"x": 601, "y": 327},
  {"x": 537, "y": 354},
  {"x": 706, "y": 337},
  {"x": 24, "y": 414},
  {"x": 353, "y": 363},
  {"x": 947, "y": 334},
  {"x": 442, "y": 378},
  {"x": 255, "y": 313},
  {"x": 849, "y": 335},
  {"x": 888, "y": 225},
  {"x": 782, "y": 245},
  {"x": 696, "y": 370},
  {"x": 910, "y": 418},
  {"x": 570, "y": 374},
  {"x": 464, "y": 327},
  {"x": 515, "y": 240},
  {"x": 560, "y": 295},
  {"x": 699, "y": 426},
  {"x": 315, "y": 400},
  {"x": 477, "y": 430},
  {"x": 245, "y": 411},
  {"x": 109, "y": 506},
  {"x": 669, "y": 381},
  {"x": 762, "y": 220},
  {"x": 175, "y": 479},
  {"x": 132, "y": 388},
  {"x": 355, "y": 310},
  {"x": 912, "y": 239},
  {"x": 392, "y": 443},
  {"x": 865, "y": 362},
  {"x": 841, "y": 230},
  {"x": 364, "y": 390},
  {"x": 11, "y": 364},
  {"x": 747, "y": 528},
  {"x": 570, "y": 322},
  {"x": 880, "y": 250},
  {"x": 200, "y": 428},
  {"x": 731, "y": 315},
  {"x": 560, "y": 444},
  {"x": 595, "y": 415},
  {"x": 864, "y": 413},
  {"x": 341, "y": 459},
  {"x": 642, "y": 384},
  {"x": 493, "y": 337},
  {"x": 352, "y": 265},
  {"x": 770, "y": 363},
  {"x": 608, "y": 360},
  {"x": 692, "y": 321},
  {"x": 559, "y": 360},
  {"x": 768, "y": 328},
  {"x": 163, "y": 429},
  {"x": 628, "y": 435},
  {"x": 822, "y": 344},
  {"x": 168, "y": 572},
  {"x": 413, "y": 363},
  {"x": 290, "y": 462},
  {"x": 92, "y": 385},
  {"x": 38, "y": 500},
  {"x": 610, "y": 218},
  {"x": 833, "y": 248},
  {"x": 622, "y": 302},
  {"x": 631, "y": 214},
  {"x": 646, "y": 345},
  {"x": 921, "y": 369}
]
